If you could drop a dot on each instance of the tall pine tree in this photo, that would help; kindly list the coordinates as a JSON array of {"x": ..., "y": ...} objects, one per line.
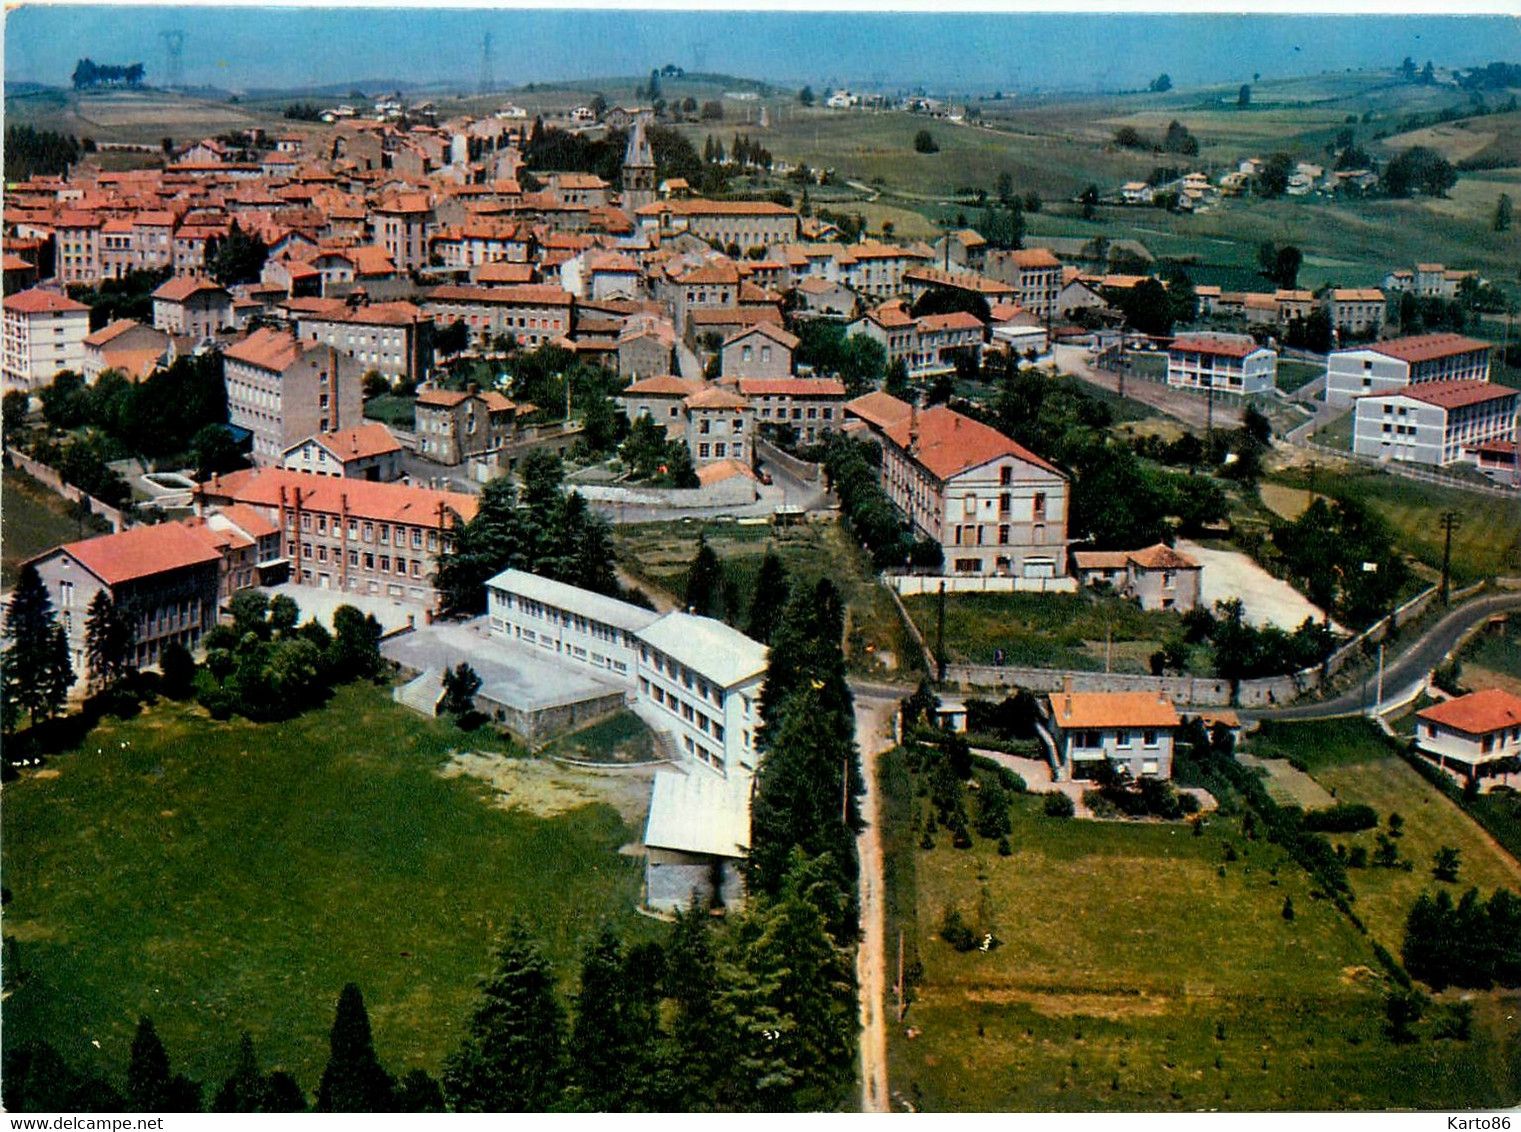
[
  {"x": 109, "y": 640},
  {"x": 770, "y": 598},
  {"x": 704, "y": 592},
  {"x": 513, "y": 1058},
  {"x": 37, "y": 674},
  {"x": 612, "y": 1042},
  {"x": 353, "y": 1079}
]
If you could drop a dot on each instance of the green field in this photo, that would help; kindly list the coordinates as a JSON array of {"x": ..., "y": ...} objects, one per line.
[
  {"x": 1294, "y": 376},
  {"x": 1140, "y": 972},
  {"x": 1046, "y": 630},
  {"x": 222, "y": 877},
  {"x": 1486, "y": 544},
  {"x": 34, "y": 519},
  {"x": 661, "y": 553},
  {"x": 388, "y": 408}
]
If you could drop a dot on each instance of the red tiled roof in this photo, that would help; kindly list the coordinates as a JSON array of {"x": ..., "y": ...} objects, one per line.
[
  {"x": 387, "y": 502},
  {"x": 714, "y": 398},
  {"x": 140, "y": 552},
  {"x": 268, "y": 349},
  {"x": 663, "y": 385},
  {"x": 1162, "y": 557},
  {"x": 955, "y": 320},
  {"x": 359, "y": 443},
  {"x": 441, "y": 398},
  {"x": 791, "y": 387},
  {"x": 882, "y": 410},
  {"x": 1477, "y": 713},
  {"x": 534, "y": 294},
  {"x": 181, "y": 287},
  {"x": 249, "y": 521},
  {"x": 1425, "y": 347},
  {"x": 767, "y": 329},
  {"x": 40, "y": 301},
  {"x": 1112, "y": 709},
  {"x": 950, "y": 443},
  {"x": 1220, "y": 347},
  {"x": 503, "y": 272},
  {"x": 111, "y": 332},
  {"x": 1450, "y": 394}
]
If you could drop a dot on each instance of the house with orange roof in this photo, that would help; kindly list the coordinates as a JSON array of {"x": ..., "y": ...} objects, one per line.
[
  {"x": 1159, "y": 577},
  {"x": 531, "y": 314},
  {"x": 1477, "y": 735},
  {"x": 721, "y": 223},
  {"x": 918, "y": 281},
  {"x": 995, "y": 508},
  {"x": 454, "y": 425},
  {"x": 1384, "y": 367},
  {"x": 662, "y": 397},
  {"x": 812, "y": 406},
  {"x": 77, "y": 235},
  {"x": 402, "y": 225},
  {"x": 165, "y": 575},
  {"x": 719, "y": 426},
  {"x": 764, "y": 350},
  {"x": 393, "y": 339},
  {"x": 1035, "y": 274},
  {"x": 1356, "y": 311},
  {"x": 192, "y": 305},
  {"x": 823, "y": 298},
  {"x": 892, "y": 326},
  {"x": 125, "y": 345},
  {"x": 646, "y": 347},
  {"x": 20, "y": 272},
  {"x": 1437, "y": 423},
  {"x": 350, "y": 535},
  {"x": 1131, "y": 731},
  {"x": 44, "y": 332},
  {"x": 283, "y": 390},
  {"x": 365, "y": 452}
]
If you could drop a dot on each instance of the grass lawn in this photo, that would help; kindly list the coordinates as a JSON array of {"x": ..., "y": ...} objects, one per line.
[
  {"x": 1337, "y": 434},
  {"x": 661, "y": 553},
  {"x": 391, "y": 409},
  {"x": 1048, "y": 630},
  {"x": 622, "y": 737},
  {"x": 34, "y": 520},
  {"x": 227, "y": 876},
  {"x": 1134, "y": 976},
  {"x": 1493, "y": 660},
  {"x": 1294, "y": 376},
  {"x": 1487, "y": 542}
]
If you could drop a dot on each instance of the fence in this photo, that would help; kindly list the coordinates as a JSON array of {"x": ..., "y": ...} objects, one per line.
[
  {"x": 1398, "y": 468},
  {"x": 1190, "y": 691},
  {"x": 54, "y": 482},
  {"x": 911, "y": 585}
]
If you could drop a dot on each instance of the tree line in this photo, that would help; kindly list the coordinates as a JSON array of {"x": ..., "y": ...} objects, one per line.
[
  {"x": 30, "y": 152},
  {"x": 89, "y": 74},
  {"x": 531, "y": 525}
]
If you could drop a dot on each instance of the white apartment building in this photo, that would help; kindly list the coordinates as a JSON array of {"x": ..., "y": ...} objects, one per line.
[
  {"x": 1224, "y": 363},
  {"x": 1383, "y": 367},
  {"x": 1435, "y": 423},
  {"x": 44, "y": 333}
]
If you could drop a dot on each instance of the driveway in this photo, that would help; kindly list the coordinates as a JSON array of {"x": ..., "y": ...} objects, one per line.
[
  {"x": 1265, "y": 600},
  {"x": 1190, "y": 408}
]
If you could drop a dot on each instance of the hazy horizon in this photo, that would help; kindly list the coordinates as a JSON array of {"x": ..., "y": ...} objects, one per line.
[{"x": 240, "y": 48}]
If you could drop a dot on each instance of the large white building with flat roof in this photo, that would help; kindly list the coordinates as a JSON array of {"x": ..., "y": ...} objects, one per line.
[{"x": 693, "y": 678}]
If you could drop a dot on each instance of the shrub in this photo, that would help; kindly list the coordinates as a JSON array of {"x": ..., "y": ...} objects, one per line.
[
  {"x": 1343, "y": 818},
  {"x": 955, "y": 930},
  {"x": 1058, "y": 805},
  {"x": 924, "y": 142}
]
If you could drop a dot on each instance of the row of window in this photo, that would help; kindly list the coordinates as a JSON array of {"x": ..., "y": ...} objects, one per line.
[
  {"x": 1093, "y": 740},
  {"x": 364, "y": 530},
  {"x": 404, "y": 567},
  {"x": 678, "y": 706}
]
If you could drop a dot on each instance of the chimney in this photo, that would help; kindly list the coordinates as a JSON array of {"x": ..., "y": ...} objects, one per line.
[{"x": 1067, "y": 685}]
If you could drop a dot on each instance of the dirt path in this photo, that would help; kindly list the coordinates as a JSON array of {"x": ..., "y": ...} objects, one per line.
[
  {"x": 1190, "y": 408},
  {"x": 873, "y": 733}
]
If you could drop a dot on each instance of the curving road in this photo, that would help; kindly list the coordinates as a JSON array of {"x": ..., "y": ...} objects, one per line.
[{"x": 1406, "y": 671}]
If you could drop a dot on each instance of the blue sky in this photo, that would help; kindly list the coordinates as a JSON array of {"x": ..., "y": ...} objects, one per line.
[{"x": 243, "y": 46}]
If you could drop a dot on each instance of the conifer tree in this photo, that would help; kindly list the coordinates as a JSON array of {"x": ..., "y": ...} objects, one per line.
[
  {"x": 704, "y": 593},
  {"x": 108, "y": 641},
  {"x": 353, "y": 1079},
  {"x": 36, "y": 670},
  {"x": 513, "y": 1057},
  {"x": 611, "y": 1042},
  {"x": 246, "y": 1089},
  {"x": 770, "y": 598}
]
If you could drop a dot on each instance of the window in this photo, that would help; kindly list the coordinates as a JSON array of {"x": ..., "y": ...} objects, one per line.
[
  {"x": 1040, "y": 504},
  {"x": 1149, "y": 738}
]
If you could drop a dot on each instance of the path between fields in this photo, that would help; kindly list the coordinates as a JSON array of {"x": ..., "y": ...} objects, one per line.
[{"x": 873, "y": 734}]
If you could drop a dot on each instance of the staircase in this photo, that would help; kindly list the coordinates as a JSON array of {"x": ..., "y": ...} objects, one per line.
[{"x": 422, "y": 694}]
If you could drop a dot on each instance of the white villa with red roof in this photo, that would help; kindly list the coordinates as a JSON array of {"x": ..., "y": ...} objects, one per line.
[
  {"x": 1225, "y": 363},
  {"x": 190, "y": 305},
  {"x": 1436, "y": 423},
  {"x": 1384, "y": 367},
  {"x": 368, "y": 452},
  {"x": 995, "y": 507},
  {"x": 1472, "y": 734},
  {"x": 1132, "y": 731}
]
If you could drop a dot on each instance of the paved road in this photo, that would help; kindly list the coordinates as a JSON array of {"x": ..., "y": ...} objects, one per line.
[
  {"x": 1404, "y": 672},
  {"x": 1190, "y": 408},
  {"x": 874, "y": 735}
]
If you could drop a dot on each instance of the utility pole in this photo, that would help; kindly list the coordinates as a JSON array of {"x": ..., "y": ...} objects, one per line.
[
  {"x": 898, "y": 986},
  {"x": 940, "y": 638},
  {"x": 1451, "y": 520},
  {"x": 1378, "y": 699}
]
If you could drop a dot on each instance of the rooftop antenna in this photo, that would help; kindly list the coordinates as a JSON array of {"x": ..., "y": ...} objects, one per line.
[
  {"x": 174, "y": 52},
  {"x": 488, "y": 77}
]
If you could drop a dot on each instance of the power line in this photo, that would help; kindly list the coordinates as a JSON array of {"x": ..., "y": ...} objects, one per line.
[
  {"x": 1451, "y": 521},
  {"x": 488, "y": 70},
  {"x": 174, "y": 54}
]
